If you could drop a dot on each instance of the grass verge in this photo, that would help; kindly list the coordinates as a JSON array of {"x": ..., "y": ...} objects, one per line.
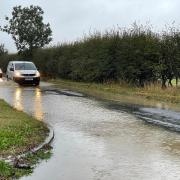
[
  {"x": 151, "y": 95},
  {"x": 8, "y": 172},
  {"x": 19, "y": 133}
]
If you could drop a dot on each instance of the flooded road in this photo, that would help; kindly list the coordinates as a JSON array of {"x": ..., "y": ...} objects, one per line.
[{"x": 99, "y": 140}]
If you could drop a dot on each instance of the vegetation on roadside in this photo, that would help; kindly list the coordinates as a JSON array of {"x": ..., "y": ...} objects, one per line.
[
  {"x": 136, "y": 56},
  {"x": 19, "y": 133},
  {"x": 8, "y": 171},
  {"x": 151, "y": 95}
]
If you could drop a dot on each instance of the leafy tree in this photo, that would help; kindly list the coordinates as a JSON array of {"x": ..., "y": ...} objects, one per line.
[
  {"x": 27, "y": 28},
  {"x": 170, "y": 59},
  {"x": 176, "y": 59},
  {"x": 3, "y": 57}
]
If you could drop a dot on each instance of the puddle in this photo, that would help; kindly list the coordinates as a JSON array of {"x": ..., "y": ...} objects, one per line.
[
  {"x": 63, "y": 92},
  {"x": 99, "y": 141}
]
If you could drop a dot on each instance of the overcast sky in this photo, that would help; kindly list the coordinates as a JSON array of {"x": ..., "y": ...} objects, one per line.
[{"x": 71, "y": 19}]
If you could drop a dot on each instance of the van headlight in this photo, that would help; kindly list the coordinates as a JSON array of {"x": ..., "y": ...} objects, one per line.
[
  {"x": 37, "y": 74},
  {"x": 17, "y": 74}
]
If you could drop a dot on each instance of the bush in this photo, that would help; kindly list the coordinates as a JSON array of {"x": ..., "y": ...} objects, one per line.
[{"x": 137, "y": 56}]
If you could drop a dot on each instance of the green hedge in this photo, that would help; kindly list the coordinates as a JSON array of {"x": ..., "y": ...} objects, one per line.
[{"x": 136, "y": 56}]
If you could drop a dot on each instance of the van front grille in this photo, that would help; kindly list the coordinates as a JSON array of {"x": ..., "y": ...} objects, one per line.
[{"x": 28, "y": 74}]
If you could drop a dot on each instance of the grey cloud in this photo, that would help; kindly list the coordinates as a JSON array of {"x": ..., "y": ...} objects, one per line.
[{"x": 70, "y": 19}]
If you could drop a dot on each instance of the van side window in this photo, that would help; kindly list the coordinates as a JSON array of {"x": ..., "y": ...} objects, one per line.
[{"x": 10, "y": 66}]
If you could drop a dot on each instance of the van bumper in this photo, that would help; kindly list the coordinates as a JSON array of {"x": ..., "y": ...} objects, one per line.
[{"x": 27, "y": 80}]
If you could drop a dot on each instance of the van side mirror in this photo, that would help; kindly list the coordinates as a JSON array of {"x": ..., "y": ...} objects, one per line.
[{"x": 11, "y": 69}]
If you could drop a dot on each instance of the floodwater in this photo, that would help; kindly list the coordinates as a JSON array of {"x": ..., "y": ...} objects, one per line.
[{"x": 97, "y": 140}]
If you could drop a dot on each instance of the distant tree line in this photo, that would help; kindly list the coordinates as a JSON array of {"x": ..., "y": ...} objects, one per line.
[{"x": 137, "y": 56}]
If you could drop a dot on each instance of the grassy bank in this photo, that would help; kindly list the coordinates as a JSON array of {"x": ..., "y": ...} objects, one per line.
[
  {"x": 151, "y": 95},
  {"x": 9, "y": 172},
  {"x": 19, "y": 133}
]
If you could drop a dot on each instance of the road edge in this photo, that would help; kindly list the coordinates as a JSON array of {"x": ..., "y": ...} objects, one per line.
[{"x": 12, "y": 160}]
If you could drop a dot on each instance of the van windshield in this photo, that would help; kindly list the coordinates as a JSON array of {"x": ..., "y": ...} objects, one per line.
[{"x": 25, "y": 66}]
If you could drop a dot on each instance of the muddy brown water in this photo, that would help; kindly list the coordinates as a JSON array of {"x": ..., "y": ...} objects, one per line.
[{"x": 97, "y": 140}]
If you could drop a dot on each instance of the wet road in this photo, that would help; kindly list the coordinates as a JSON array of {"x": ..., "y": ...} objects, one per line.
[{"x": 98, "y": 140}]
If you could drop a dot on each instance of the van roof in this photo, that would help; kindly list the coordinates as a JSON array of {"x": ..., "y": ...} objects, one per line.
[{"x": 21, "y": 62}]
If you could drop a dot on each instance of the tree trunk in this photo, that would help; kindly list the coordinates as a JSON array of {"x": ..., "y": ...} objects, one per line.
[
  {"x": 170, "y": 83},
  {"x": 141, "y": 82},
  {"x": 163, "y": 82}
]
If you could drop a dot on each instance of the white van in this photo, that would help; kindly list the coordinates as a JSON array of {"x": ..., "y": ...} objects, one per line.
[{"x": 23, "y": 72}]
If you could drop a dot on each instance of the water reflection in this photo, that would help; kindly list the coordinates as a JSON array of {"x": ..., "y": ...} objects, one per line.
[
  {"x": 18, "y": 103},
  {"x": 20, "y": 96},
  {"x": 38, "y": 113}
]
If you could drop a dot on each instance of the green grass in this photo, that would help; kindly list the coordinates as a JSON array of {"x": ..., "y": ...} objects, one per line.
[
  {"x": 150, "y": 95},
  {"x": 19, "y": 132},
  {"x": 8, "y": 172},
  {"x": 5, "y": 169}
]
